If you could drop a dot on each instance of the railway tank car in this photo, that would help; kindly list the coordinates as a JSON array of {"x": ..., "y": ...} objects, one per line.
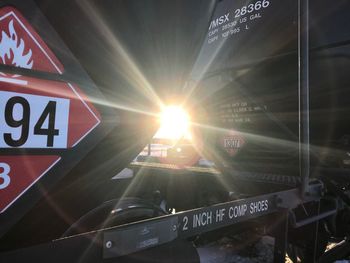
[
  {"x": 83, "y": 107},
  {"x": 247, "y": 76}
]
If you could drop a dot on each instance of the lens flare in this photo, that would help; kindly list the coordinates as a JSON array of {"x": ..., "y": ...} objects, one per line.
[{"x": 174, "y": 124}]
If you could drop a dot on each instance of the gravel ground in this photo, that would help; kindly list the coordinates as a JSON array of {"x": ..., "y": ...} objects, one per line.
[{"x": 239, "y": 250}]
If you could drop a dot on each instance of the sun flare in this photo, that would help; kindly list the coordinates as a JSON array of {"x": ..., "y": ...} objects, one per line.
[{"x": 174, "y": 124}]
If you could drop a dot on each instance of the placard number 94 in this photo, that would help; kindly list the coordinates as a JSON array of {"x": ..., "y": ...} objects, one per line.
[
  {"x": 251, "y": 8},
  {"x": 48, "y": 113},
  {"x": 4, "y": 175},
  {"x": 33, "y": 121}
]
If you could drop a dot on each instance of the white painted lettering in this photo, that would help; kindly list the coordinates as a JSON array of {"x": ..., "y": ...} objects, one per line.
[
  {"x": 219, "y": 21},
  {"x": 220, "y": 214},
  {"x": 211, "y": 40},
  {"x": 259, "y": 206},
  {"x": 202, "y": 219}
]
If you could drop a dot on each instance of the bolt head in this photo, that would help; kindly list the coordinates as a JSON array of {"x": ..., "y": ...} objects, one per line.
[{"x": 109, "y": 244}]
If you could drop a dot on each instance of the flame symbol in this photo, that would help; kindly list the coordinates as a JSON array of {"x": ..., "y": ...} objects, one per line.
[{"x": 12, "y": 50}]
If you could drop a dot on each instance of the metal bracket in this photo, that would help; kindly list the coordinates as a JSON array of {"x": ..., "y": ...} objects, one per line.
[{"x": 126, "y": 240}]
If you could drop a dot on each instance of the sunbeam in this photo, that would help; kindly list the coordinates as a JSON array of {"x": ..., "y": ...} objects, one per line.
[{"x": 122, "y": 59}]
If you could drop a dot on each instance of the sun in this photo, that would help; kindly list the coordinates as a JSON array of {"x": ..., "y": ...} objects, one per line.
[{"x": 174, "y": 124}]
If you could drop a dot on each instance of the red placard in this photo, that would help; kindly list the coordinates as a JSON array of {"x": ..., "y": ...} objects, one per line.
[
  {"x": 21, "y": 46},
  {"x": 34, "y": 113},
  {"x": 30, "y": 100},
  {"x": 19, "y": 173},
  {"x": 232, "y": 142}
]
